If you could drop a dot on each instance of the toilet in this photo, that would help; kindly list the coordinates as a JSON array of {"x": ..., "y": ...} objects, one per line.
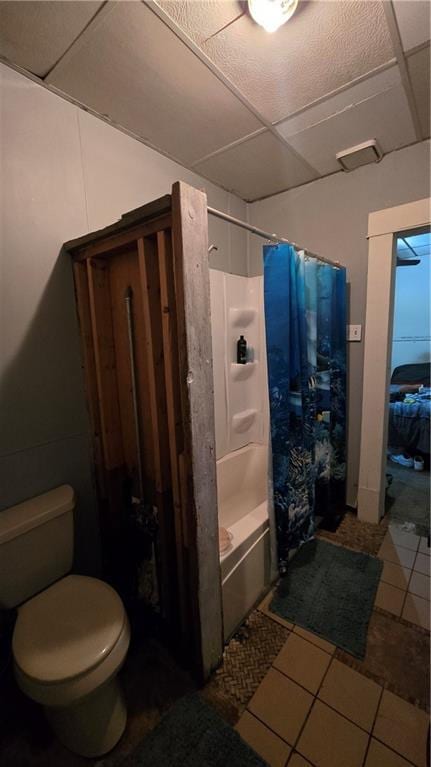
[{"x": 71, "y": 634}]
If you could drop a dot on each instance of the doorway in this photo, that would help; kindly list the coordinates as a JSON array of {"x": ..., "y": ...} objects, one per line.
[
  {"x": 384, "y": 228},
  {"x": 408, "y": 458}
]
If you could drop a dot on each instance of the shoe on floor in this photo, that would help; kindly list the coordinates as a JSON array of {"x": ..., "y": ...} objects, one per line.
[
  {"x": 403, "y": 460},
  {"x": 418, "y": 463}
]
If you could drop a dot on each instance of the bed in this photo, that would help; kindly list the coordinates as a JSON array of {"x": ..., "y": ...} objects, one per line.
[{"x": 410, "y": 409}]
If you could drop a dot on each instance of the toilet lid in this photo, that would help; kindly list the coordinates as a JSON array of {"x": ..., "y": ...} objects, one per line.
[{"x": 67, "y": 629}]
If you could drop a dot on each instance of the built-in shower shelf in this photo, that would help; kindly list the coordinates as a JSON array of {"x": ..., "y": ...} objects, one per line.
[
  {"x": 240, "y": 372},
  {"x": 242, "y": 421},
  {"x": 241, "y": 318}
]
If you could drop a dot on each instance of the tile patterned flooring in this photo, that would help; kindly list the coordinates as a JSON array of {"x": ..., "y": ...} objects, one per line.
[
  {"x": 314, "y": 710},
  {"x": 294, "y": 697},
  {"x": 311, "y": 710},
  {"x": 354, "y": 534},
  {"x": 404, "y": 588},
  {"x": 247, "y": 658}
]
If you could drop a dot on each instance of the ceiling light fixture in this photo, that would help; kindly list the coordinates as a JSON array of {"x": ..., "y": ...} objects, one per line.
[{"x": 271, "y": 14}]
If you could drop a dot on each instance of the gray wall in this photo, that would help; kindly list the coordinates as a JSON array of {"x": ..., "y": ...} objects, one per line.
[
  {"x": 64, "y": 173},
  {"x": 330, "y": 217}
]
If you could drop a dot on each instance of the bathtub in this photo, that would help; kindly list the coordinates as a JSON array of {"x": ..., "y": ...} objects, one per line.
[{"x": 243, "y": 511}]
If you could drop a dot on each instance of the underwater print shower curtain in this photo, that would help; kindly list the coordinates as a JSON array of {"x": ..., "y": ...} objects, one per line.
[{"x": 305, "y": 317}]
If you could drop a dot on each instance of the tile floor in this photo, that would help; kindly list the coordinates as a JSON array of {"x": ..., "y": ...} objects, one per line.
[
  {"x": 404, "y": 588},
  {"x": 311, "y": 710},
  {"x": 337, "y": 711}
]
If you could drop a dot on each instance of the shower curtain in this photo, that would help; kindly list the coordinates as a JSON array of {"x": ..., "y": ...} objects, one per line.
[{"x": 305, "y": 317}]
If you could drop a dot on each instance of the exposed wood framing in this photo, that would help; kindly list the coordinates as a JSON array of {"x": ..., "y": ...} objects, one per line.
[{"x": 161, "y": 250}]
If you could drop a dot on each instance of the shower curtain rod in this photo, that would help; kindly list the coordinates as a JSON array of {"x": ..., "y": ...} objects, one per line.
[{"x": 266, "y": 235}]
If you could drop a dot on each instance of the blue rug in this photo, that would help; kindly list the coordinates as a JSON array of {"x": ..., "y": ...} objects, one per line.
[
  {"x": 192, "y": 734},
  {"x": 330, "y": 591}
]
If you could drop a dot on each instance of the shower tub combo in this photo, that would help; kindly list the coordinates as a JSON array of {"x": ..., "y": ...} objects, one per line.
[{"x": 242, "y": 477}]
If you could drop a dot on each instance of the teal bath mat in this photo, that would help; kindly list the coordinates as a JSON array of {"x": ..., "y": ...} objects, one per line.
[
  {"x": 192, "y": 734},
  {"x": 330, "y": 591}
]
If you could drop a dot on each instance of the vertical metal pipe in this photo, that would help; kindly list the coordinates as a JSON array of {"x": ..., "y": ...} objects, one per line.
[{"x": 128, "y": 299}]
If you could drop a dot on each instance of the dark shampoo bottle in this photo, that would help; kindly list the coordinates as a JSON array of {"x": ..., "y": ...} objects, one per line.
[{"x": 241, "y": 351}]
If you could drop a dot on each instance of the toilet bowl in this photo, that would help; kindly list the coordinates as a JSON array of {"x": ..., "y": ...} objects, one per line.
[
  {"x": 69, "y": 643},
  {"x": 70, "y": 638}
]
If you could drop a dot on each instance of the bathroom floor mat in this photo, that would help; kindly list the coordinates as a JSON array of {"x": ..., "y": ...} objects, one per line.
[
  {"x": 192, "y": 734},
  {"x": 330, "y": 591}
]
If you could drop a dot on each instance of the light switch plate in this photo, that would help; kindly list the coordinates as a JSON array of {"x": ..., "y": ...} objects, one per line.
[{"x": 354, "y": 332}]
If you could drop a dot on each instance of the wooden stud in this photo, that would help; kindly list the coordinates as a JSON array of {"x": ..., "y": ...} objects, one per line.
[
  {"x": 152, "y": 213},
  {"x": 190, "y": 247},
  {"x": 108, "y": 407},
  {"x": 104, "y": 354},
  {"x": 150, "y": 287},
  {"x": 89, "y": 368},
  {"x": 120, "y": 242},
  {"x": 176, "y": 441}
]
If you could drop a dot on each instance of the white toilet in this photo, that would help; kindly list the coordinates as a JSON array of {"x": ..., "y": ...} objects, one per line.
[{"x": 72, "y": 633}]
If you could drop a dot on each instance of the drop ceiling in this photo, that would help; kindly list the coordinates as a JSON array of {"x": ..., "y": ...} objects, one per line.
[
  {"x": 414, "y": 246},
  {"x": 198, "y": 80}
]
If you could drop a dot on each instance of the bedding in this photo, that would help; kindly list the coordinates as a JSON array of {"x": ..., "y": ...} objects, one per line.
[
  {"x": 410, "y": 408},
  {"x": 409, "y": 422}
]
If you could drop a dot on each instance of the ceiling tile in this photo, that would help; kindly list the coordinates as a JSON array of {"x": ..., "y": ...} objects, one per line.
[
  {"x": 419, "y": 240},
  {"x": 345, "y": 99},
  {"x": 414, "y": 22},
  {"x": 201, "y": 19},
  {"x": 323, "y": 47},
  {"x": 376, "y": 108},
  {"x": 423, "y": 251},
  {"x": 384, "y": 116},
  {"x": 419, "y": 70},
  {"x": 35, "y": 34},
  {"x": 259, "y": 167},
  {"x": 132, "y": 68}
]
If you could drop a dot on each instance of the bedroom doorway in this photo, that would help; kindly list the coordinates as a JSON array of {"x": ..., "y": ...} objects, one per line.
[
  {"x": 384, "y": 228},
  {"x": 407, "y": 500}
]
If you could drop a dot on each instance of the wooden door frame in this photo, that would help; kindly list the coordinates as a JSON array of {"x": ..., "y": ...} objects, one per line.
[
  {"x": 383, "y": 228},
  {"x": 179, "y": 222},
  {"x": 192, "y": 287}
]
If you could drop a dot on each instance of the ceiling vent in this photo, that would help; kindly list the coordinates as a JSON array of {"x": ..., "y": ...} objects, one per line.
[{"x": 358, "y": 155}]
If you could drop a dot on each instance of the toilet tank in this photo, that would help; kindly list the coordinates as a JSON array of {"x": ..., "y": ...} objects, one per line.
[{"x": 36, "y": 545}]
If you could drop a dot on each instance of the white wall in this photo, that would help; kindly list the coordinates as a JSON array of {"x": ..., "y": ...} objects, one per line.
[
  {"x": 411, "y": 330},
  {"x": 330, "y": 217},
  {"x": 64, "y": 173}
]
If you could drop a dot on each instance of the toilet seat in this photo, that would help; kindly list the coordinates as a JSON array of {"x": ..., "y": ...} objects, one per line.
[
  {"x": 67, "y": 629},
  {"x": 69, "y": 639}
]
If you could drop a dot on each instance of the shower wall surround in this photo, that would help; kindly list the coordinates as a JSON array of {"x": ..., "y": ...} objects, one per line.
[{"x": 240, "y": 391}]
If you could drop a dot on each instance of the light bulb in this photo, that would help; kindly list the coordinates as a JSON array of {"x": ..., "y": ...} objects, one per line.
[{"x": 271, "y": 14}]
